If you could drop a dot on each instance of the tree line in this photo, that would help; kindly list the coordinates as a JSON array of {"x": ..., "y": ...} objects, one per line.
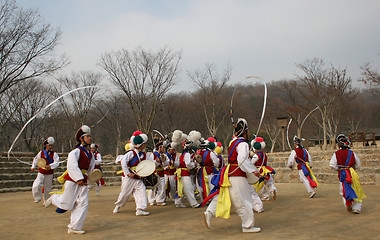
[{"x": 133, "y": 92}]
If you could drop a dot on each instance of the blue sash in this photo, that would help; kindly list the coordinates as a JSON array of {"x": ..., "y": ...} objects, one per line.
[
  {"x": 48, "y": 156},
  {"x": 262, "y": 158},
  {"x": 348, "y": 157},
  {"x": 204, "y": 157},
  {"x": 236, "y": 143},
  {"x": 135, "y": 160}
]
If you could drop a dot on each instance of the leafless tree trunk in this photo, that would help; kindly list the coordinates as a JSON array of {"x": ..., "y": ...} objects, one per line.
[
  {"x": 26, "y": 46},
  {"x": 210, "y": 88},
  {"x": 145, "y": 77},
  {"x": 273, "y": 131}
]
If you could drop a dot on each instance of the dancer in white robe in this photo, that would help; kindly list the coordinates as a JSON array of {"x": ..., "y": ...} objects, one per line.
[
  {"x": 44, "y": 177},
  {"x": 80, "y": 162},
  {"x": 130, "y": 182},
  {"x": 240, "y": 190}
]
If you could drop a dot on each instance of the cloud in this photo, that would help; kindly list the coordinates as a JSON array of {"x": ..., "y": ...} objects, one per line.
[{"x": 262, "y": 38}]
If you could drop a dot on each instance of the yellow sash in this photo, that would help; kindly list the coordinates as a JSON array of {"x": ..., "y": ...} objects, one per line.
[
  {"x": 357, "y": 186},
  {"x": 311, "y": 173},
  {"x": 121, "y": 171},
  {"x": 61, "y": 179},
  {"x": 179, "y": 182},
  {"x": 206, "y": 180},
  {"x": 258, "y": 185},
  {"x": 223, "y": 207}
]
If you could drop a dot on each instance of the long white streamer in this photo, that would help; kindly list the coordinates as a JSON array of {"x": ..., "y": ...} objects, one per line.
[
  {"x": 287, "y": 133},
  {"x": 264, "y": 107},
  {"x": 41, "y": 111},
  {"x": 307, "y": 117}
]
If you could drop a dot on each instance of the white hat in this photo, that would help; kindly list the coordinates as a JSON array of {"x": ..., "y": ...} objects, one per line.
[
  {"x": 83, "y": 131},
  {"x": 93, "y": 145},
  {"x": 49, "y": 141}
]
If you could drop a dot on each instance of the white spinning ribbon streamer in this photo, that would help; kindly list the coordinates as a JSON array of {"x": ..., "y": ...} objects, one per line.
[{"x": 41, "y": 111}]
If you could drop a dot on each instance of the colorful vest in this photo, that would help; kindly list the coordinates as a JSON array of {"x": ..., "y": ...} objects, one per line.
[
  {"x": 83, "y": 162},
  {"x": 302, "y": 157},
  {"x": 262, "y": 159},
  {"x": 171, "y": 169},
  {"x": 182, "y": 165},
  {"x": 232, "y": 159},
  {"x": 159, "y": 170},
  {"x": 49, "y": 160},
  {"x": 136, "y": 159},
  {"x": 206, "y": 161},
  {"x": 343, "y": 160}
]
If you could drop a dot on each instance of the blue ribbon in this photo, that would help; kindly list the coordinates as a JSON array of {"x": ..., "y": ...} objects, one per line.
[{"x": 48, "y": 156}]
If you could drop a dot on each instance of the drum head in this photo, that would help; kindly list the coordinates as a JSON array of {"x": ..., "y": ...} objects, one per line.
[
  {"x": 151, "y": 181},
  {"x": 145, "y": 168},
  {"x": 95, "y": 175},
  {"x": 252, "y": 179},
  {"x": 41, "y": 163}
]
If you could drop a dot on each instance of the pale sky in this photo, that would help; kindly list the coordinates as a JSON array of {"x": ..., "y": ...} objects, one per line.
[{"x": 263, "y": 38}]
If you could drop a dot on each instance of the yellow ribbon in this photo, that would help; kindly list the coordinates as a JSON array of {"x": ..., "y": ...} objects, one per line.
[
  {"x": 223, "y": 207},
  {"x": 258, "y": 185},
  {"x": 179, "y": 182},
  {"x": 357, "y": 186},
  {"x": 61, "y": 179},
  {"x": 311, "y": 173},
  {"x": 205, "y": 177},
  {"x": 121, "y": 171}
]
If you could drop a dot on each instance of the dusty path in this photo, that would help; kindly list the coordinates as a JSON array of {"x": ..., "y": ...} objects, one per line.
[{"x": 292, "y": 216}]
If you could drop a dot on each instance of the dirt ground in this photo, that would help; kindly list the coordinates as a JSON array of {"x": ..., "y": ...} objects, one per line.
[{"x": 293, "y": 215}]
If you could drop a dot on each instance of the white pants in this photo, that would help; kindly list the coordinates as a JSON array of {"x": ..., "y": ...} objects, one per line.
[
  {"x": 172, "y": 184},
  {"x": 42, "y": 180},
  {"x": 241, "y": 198},
  {"x": 157, "y": 194},
  {"x": 74, "y": 198},
  {"x": 355, "y": 205},
  {"x": 257, "y": 204},
  {"x": 137, "y": 188},
  {"x": 270, "y": 185},
  {"x": 305, "y": 181},
  {"x": 188, "y": 191}
]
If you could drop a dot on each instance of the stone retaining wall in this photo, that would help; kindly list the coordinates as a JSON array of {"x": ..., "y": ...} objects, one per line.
[{"x": 16, "y": 176}]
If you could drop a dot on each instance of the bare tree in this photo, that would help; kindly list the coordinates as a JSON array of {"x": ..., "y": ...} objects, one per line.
[
  {"x": 77, "y": 106},
  {"x": 288, "y": 98},
  {"x": 145, "y": 77},
  {"x": 26, "y": 101},
  {"x": 340, "y": 87},
  {"x": 210, "y": 95},
  {"x": 371, "y": 77},
  {"x": 26, "y": 46},
  {"x": 272, "y": 129},
  {"x": 116, "y": 123},
  {"x": 326, "y": 89}
]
